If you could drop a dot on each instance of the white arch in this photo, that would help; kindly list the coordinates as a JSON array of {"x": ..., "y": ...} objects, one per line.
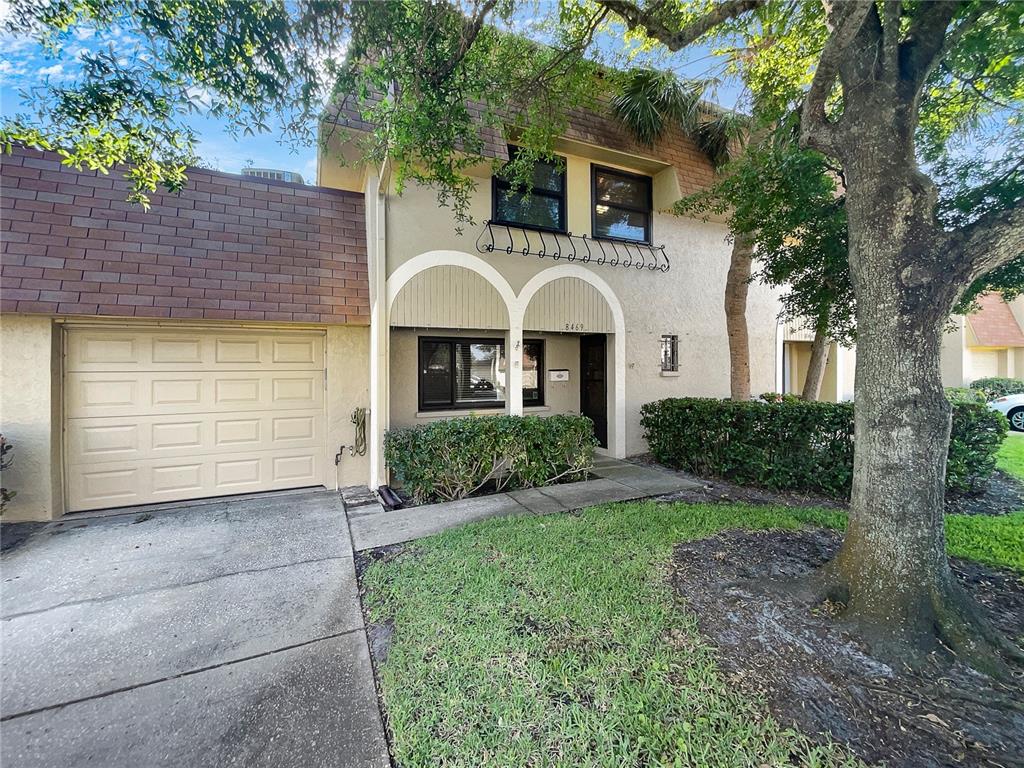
[
  {"x": 551, "y": 274},
  {"x": 516, "y": 306},
  {"x": 517, "y": 315},
  {"x": 425, "y": 261}
]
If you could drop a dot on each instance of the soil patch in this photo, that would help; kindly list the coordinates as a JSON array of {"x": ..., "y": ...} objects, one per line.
[
  {"x": 1001, "y": 495},
  {"x": 818, "y": 678}
]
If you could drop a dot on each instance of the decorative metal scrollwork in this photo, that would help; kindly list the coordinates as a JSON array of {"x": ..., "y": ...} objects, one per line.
[{"x": 505, "y": 238}]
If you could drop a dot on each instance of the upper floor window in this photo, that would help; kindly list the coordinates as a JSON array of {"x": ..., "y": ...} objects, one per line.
[
  {"x": 542, "y": 206},
  {"x": 622, "y": 205}
]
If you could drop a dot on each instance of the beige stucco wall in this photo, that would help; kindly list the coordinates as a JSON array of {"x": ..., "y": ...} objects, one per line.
[
  {"x": 30, "y": 414},
  {"x": 348, "y": 388},
  {"x": 686, "y": 301},
  {"x": 953, "y": 355},
  {"x": 560, "y": 351}
]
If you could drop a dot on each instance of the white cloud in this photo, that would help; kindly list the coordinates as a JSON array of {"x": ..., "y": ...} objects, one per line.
[
  {"x": 55, "y": 72},
  {"x": 10, "y": 71}
]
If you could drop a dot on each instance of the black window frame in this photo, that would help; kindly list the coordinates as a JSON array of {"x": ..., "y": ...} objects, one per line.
[
  {"x": 452, "y": 405},
  {"x": 648, "y": 210},
  {"x": 499, "y": 185}
]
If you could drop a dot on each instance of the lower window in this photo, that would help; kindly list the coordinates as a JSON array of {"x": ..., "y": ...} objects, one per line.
[{"x": 471, "y": 373}]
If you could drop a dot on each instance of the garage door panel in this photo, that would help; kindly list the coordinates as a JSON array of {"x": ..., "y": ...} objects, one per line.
[
  {"x": 164, "y": 350},
  {"x": 91, "y": 395},
  {"x": 155, "y": 480},
  {"x": 134, "y": 438},
  {"x": 162, "y": 415}
]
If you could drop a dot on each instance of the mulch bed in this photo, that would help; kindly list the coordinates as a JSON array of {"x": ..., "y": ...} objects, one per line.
[
  {"x": 818, "y": 678},
  {"x": 1001, "y": 495}
]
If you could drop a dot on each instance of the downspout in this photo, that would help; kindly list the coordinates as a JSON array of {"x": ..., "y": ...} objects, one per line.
[{"x": 377, "y": 196}]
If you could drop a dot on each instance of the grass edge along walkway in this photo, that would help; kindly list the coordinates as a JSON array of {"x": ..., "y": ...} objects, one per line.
[{"x": 556, "y": 641}]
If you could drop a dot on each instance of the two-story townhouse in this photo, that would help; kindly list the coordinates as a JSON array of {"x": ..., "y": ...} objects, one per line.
[
  {"x": 605, "y": 299},
  {"x": 222, "y": 341}
]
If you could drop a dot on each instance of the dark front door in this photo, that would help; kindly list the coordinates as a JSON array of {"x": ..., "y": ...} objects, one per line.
[{"x": 593, "y": 384}]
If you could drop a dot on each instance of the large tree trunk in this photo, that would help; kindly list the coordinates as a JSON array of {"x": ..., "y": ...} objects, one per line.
[
  {"x": 736, "y": 285},
  {"x": 892, "y": 572},
  {"x": 816, "y": 367}
]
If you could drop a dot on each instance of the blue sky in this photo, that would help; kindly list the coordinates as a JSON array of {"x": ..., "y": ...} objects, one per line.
[{"x": 26, "y": 64}]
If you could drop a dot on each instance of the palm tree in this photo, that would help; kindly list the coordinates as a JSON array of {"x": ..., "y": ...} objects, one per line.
[{"x": 647, "y": 103}]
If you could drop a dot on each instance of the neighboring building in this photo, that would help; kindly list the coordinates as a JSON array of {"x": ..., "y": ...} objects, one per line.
[
  {"x": 795, "y": 358},
  {"x": 273, "y": 174},
  {"x": 985, "y": 343},
  {"x": 219, "y": 342}
]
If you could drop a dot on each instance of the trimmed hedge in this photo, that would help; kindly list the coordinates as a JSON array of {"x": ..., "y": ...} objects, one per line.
[
  {"x": 454, "y": 458},
  {"x": 995, "y": 386},
  {"x": 789, "y": 444}
]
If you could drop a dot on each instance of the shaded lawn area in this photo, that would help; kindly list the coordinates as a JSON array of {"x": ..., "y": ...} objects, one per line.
[
  {"x": 1010, "y": 458},
  {"x": 559, "y": 641}
]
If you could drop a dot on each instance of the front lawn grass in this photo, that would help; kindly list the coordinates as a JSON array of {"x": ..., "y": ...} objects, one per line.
[
  {"x": 1010, "y": 458},
  {"x": 556, "y": 641}
]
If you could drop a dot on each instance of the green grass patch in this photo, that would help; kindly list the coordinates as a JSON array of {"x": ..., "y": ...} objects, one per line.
[
  {"x": 556, "y": 641},
  {"x": 990, "y": 539},
  {"x": 1010, "y": 458}
]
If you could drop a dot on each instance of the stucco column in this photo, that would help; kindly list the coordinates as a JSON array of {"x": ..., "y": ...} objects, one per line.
[{"x": 514, "y": 362}]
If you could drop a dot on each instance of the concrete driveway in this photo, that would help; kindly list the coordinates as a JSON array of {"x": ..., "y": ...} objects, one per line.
[{"x": 214, "y": 634}]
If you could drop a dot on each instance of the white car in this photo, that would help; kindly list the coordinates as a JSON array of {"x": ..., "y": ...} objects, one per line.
[{"x": 1012, "y": 407}]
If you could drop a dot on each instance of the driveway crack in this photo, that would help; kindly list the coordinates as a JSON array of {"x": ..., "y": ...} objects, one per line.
[
  {"x": 150, "y": 590},
  {"x": 189, "y": 673}
]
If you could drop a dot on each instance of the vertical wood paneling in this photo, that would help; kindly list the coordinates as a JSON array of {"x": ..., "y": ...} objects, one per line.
[
  {"x": 449, "y": 297},
  {"x": 569, "y": 304}
]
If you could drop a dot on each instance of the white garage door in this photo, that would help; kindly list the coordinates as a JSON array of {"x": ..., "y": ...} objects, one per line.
[
  {"x": 155, "y": 415},
  {"x": 984, "y": 363}
]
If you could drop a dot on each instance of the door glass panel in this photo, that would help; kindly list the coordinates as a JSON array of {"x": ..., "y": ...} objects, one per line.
[{"x": 532, "y": 371}]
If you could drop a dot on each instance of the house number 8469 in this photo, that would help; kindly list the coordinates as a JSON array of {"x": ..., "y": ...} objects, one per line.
[{"x": 574, "y": 326}]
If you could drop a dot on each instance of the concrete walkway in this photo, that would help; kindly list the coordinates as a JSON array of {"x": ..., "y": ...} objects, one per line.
[
  {"x": 373, "y": 526},
  {"x": 225, "y": 633}
]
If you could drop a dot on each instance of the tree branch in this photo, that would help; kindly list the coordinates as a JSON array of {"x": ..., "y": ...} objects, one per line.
[
  {"x": 891, "y": 14},
  {"x": 469, "y": 35},
  {"x": 845, "y": 21},
  {"x": 991, "y": 241},
  {"x": 648, "y": 20},
  {"x": 927, "y": 42}
]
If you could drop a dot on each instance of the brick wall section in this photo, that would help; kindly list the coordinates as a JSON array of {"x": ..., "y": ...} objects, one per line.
[{"x": 226, "y": 248}]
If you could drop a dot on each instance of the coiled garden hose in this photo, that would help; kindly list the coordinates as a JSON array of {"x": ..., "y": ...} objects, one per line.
[{"x": 359, "y": 442}]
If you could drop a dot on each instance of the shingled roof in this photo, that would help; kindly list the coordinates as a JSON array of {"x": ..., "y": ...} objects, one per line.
[
  {"x": 994, "y": 325},
  {"x": 599, "y": 128}
]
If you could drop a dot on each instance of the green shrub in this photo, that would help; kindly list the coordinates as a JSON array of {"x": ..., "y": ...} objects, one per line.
[
  {"x": 977, "y": 434},
  {"x": 453, "y": 458},
  {"x": 995, "y": 386},
  {"x": 965, "y": 395},
  {"x": 797, "y": 445},
  {"x": 787, "y": 444}
]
